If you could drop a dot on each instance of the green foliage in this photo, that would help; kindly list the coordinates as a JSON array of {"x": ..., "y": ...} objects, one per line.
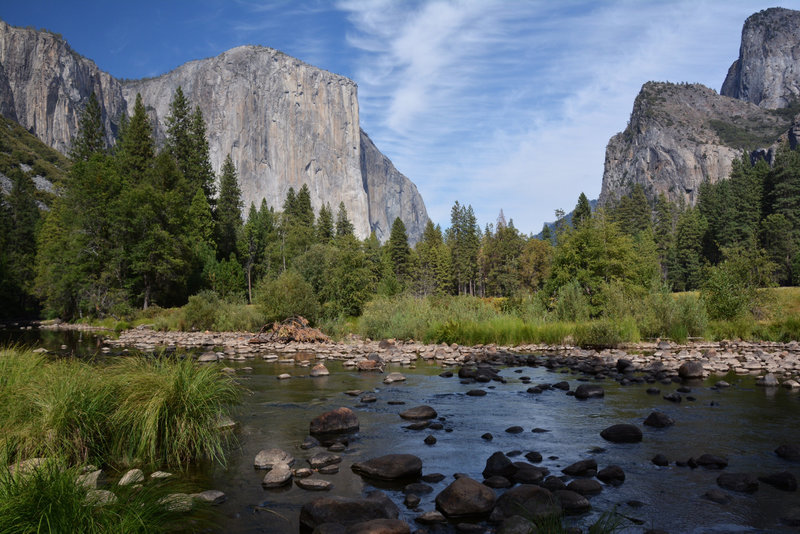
[
  {"x": 632, "y": 213},
  {"x": 201, "y": 311},
  {"x": 606, "y": 333},
  {"x": 91, "y": 137},
  {"x": 50, "y": 499},
  {"x": 168, "y": 410},
  {"x": 731, "y": 288},
  {"x": 286, "y": 296},
  {"x": 582, "y": 211},
  {"x": 154, "y": 411},
  {"x": 464, "y": 239},
  {"x": 325, "y": 231},
  {"x": 343, "y": 225},
  {"x": 399, "y": 253},
  {"x": 229, "y": 210}
]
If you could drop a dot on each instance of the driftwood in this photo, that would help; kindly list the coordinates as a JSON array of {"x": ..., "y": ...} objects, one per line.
[{"x": 292, "y": 329}]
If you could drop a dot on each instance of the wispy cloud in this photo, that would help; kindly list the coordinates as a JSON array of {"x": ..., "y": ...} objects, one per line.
[{"x": 510, "y": 104}]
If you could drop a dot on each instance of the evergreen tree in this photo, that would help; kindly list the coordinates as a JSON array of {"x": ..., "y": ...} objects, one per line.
[
  {"x": 298, "y": 223},
  {"x": 21, "y": 238},
  {"x": 501, "y": 252},
  {"x": 463, "y": 238},
  {"x": 632, "y": 213},
  {"x": 229, "y": 210},
  {"x": 689, "y": 234},
  {"x": 199, "y": 169},
  {"x": 534, "y": 263},
  {"x": 343, "y": 224},
  {"x": 399, "y": 252},
  {"x": 91, "y": 137},
  {"x": 136, "y": 146},
  {"x": 325, "y": 231},
  {"x": 784, "y": 194},
  {"x": 582, "y": 211},
  {"x": 547, "y": 234},
  {"x": 179, "y": 132}
]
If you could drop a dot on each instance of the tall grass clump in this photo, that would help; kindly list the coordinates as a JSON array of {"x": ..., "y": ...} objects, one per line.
[
  {"x": 49, "y": 499},
  {"x": 605, "y": 333},
  {"x": 55, "y": 408},
  {"x": 401, "y": 317},
  {"x": 168, "y": 411}
]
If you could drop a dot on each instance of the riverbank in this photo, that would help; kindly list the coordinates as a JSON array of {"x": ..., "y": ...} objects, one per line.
[{"x": 756, "y": 358}]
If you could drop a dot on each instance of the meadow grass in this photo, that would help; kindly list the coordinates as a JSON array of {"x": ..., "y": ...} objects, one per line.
[
  {"x": 48, "y": 499},
  {"x": 155, "y": 411}
]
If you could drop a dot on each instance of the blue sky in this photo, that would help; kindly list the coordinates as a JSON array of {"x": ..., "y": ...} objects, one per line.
[{"x": 500, "y": 104}]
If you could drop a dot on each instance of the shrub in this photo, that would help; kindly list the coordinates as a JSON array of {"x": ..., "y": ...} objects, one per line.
[
  {"x": 572, "y": 304},
  {"x": 286, "y": 296},
  {"x": 201, "y": 311},
  {"x": 605, "y": 333}
]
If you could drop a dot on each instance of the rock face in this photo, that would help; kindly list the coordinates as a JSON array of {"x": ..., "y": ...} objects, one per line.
[
  {"x": 44, "y": 85},
  {"x": 679, "y": 136},
  {"x": 284, "y": 122},
  {"x": 767, "y": 72}
]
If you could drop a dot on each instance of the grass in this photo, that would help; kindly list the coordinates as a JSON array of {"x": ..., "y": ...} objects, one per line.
[
  {"x": 49, "y": 500},
  {"x": 155, "y": 411}
]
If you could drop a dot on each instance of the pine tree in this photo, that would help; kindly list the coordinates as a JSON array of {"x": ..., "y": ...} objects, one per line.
[
  {"x": 399, "y": 252},
  {"x": 179, "y": 132},
  {"x": 21, "y": 236},
  {"x": 690, "y": 230},
  {"x": 200, "y": 170},
  {"x": 582, "y": 211},
  {"x": 325, "y": 231},
  {"x": 91, "y": 137},
  {"x": 343, "y": 224},
  {"x": 136, "y": 146},
  {"x": 632, "y": 213},
  {"x": 229, "y": 210}
]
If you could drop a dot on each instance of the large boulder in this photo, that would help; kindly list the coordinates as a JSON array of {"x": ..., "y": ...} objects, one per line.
[
  {"x": 783, "y": 481},
  {"x": 499, "y": 464},
  {"x": 622, "y": 433},
  {"x": 572, "y": 502},
  {"x": 418, "y": 413},
  {"x": 589, "y": 391},
  {"x": 744, "y": 482},
  {"x": 339, "y": 421},
  {"x": 466, "y": 498},
  {"x": 529, "y": 500},
  {"x": 613, "y": 475},
  {"x": 390, "y": 467},
  {"x": 279, "y": 475},
  {"x": 691, "y": 370},
  {"x": 347, "y": 511},
  {"x": 789, "y": 451},
  {"x": 582, "y": 468}
]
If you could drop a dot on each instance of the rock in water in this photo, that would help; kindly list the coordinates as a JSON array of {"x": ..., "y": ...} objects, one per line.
[
  {"x": 419, "y": 412},
  {"x": 340, "y": 420},
  {"x": 390, "y": 467},
  {"x": 346, "y": 511},
  {"x": 465, "y": 498},
  {"x": 691, "y": 370},
  {"x": 589, "y": 391},
  {"x": 319, "y": 370},
  {"x": 267, "y": 458},
  {"x": 279, "y": 475},
  {"x": 659, "y": 420},
  {"x": 622, "y": 433},
  {"x": 743, "y": 482}
]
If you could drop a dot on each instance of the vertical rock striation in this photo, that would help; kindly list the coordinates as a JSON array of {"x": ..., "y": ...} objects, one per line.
[
  {"x": 284, "y": 122},
  {"x": 767, "y": 72},
  {"x": 44, "y": 86},
  {"x": 680, "y": 136}
]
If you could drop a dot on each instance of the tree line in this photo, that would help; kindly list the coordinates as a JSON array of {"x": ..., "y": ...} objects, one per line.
[{"x": 134, "y": 226}]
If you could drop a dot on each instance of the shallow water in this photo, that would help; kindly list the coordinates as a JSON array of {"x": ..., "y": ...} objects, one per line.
[{"x": 745, "y": 424}]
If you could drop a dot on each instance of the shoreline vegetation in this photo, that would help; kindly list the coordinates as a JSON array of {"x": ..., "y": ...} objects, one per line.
[{"x": 67, "y": 422}]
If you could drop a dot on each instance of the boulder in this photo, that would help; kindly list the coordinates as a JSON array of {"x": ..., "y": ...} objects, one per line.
[
  {"x": 341, "y": 420},
  {"x": 712, "y": 461},
  {"x": 691, "y": 370},
  {"x": 419, "y": 412},
  {"x": 319, "y": 370},
  {"x": 531, "y": 501},
  {"x": 267, "y": 458},
  {"x": 208, "y": 357},
  {"x": 585, "y": 486},
  {"x": 379, "y": 526},
  {"x": 660, "y": 460},
  {"x": 177, "y": 502},
  {"x": 347, "y": 511},
  {"x": 394, "y": 377},
  {"x": 582, "y": 468},
  {"x": 390, "y": 467},
  {"x": 613, "y": 475},
  {"x": 476, "y": 393},
  {"x": 659, "y": 420},
  {"x": 516, "y": 429},
  {"x": 312, "y": 484},
  {"x": 323, "y": 459},
  {"x": 431, "y": 518},
  {"x": 717, "y": 496},
  {"x": 466, "y": 498},
  {"x": 533, "y": 456},
  {"x": 278, "y": 475},
  {"x": 99, "y": 497},
  {"x": 572, "y": 502},
  {"x": 134, "y": 476},
  {"x": 213, "y": 497},
  {"x": 589, "y": 391},
  {"x": 499, "y": 464},
  {"x": 783, "y": 481},
  {"x": 744, "y": 482},
  {"x": 622, "y": 433},
  {"x": 789, "y": 451},
  {"x": 91, "y": 480},
  {"x": 554, "y": 483},
  {"x": 497, "y": 482}
]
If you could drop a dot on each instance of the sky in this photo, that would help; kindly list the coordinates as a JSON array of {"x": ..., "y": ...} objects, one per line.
[{"x": 499, "y": 104}]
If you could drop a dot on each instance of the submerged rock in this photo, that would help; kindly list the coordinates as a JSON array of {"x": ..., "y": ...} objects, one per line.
[
  {"x": 347, "y": 511},
  {"x": 622, "y": 433},
  {"x": 390, "y": 467},
  {"x": 419, "y": 412}
]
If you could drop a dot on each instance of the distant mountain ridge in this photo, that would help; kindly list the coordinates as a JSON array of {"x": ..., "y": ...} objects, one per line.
[
  {"x": 681, "y": 135},
  {"x": 284, "y": 122}
]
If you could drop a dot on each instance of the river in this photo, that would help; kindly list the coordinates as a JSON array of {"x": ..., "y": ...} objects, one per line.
[{"x": 744, "y": 423}]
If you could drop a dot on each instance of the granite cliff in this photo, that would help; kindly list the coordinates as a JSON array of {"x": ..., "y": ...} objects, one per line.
[
  {"x": 680, "y": 135},
  {"x": 284, "y": 122}
]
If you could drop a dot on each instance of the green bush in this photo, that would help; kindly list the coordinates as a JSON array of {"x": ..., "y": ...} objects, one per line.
[
  {"x": 201, "y": 311},
  {"x": 606, "y": 333},
  {"x": 572, "y": 304},
  {"x": 286, "y": 296}
]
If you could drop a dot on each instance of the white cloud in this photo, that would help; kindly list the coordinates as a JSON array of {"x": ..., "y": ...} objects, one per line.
[{"x": 510, "y": 104}]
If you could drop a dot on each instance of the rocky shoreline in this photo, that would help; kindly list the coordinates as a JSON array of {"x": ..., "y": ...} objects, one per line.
[{"x": 782, "y": 360}]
